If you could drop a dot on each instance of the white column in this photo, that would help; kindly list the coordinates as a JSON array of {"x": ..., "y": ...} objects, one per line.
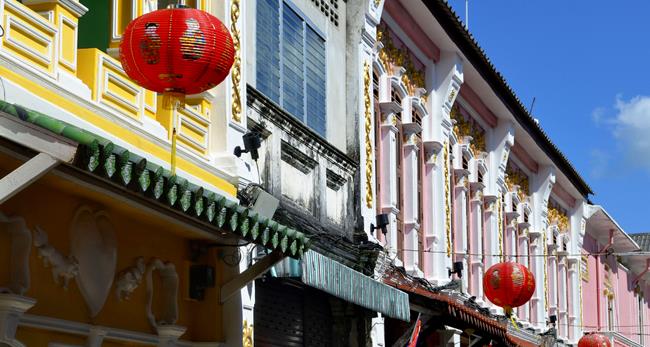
[
  {"x": 476, "y": 234},
  {"x": 389, "y": 133},
  {"x": 574, "y": 297},
  {"x": 522, "y": 253},
  {"x": 491, "y": 247},
  {"x": 537, "y": 301},
  {"x": 411, "y": 201},
  {"x": 541, "y": 186},
  {"x": 552, "y": 280},
  {"x": 460, "y": 222},
  {"x": 562, "y": 293}
]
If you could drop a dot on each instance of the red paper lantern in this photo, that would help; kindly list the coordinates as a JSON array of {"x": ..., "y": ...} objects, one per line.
[
  {"x": 508, "y": 285},
  {"x": 177, "y": 51},
  {"x": 594, "y": 340}
]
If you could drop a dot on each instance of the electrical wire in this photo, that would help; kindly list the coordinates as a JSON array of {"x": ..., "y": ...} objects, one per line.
[{"x": 512, "y": 255}]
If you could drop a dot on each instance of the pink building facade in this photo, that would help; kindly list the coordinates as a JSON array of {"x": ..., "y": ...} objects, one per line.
[
  {"x": 614, "y": 283},
  {"x": 466, "y": 176}
]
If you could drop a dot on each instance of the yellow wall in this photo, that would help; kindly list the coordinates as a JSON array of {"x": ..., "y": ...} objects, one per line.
[{"x": 51, "y": 204}]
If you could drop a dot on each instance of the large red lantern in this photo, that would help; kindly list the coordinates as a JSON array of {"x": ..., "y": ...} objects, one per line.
[
  {"x": 594, "y": 340},
  {"x": 508, "y": 285},
  {"x": 177, "y": 51}
]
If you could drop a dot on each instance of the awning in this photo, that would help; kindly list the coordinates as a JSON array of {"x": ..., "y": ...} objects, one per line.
[
  {"x": 151, "y": 184},
  {"x": 460, "y": 314},
  {"x": 338, "y": 280}
]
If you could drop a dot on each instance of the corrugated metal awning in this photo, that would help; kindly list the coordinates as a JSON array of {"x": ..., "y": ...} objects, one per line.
[{"x": 336, "y": 279}]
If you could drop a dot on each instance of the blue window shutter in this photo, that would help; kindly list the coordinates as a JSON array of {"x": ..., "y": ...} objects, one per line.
[
  {"x": 268, "y": 48},
  {"x": 315, "y": 72},
  {"x": 293, "y": 95}
]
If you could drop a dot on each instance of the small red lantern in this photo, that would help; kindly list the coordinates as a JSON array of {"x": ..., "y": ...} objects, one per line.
[
  {"x": 594, "y": 340},
  {"x": 177, "y": 51},
  {"x": 508, "y": 285}
]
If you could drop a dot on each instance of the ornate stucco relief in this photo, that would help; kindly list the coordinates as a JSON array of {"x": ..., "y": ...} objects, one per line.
[
  {"x": 168, "y": 292},
  {"x": 94, "y": 247},
  {"x": 129, "y": 279},
  {"x": 63, "y": 268}
]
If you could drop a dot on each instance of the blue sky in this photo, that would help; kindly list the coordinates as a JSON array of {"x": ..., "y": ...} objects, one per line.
[{"x": 587, "y": 63}]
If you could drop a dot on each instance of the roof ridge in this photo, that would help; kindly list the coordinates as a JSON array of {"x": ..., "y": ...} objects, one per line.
[{"x": 520, "y": 111}]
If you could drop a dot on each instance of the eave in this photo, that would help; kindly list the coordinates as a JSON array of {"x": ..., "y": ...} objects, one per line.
[{"x": 99, "y": 162}]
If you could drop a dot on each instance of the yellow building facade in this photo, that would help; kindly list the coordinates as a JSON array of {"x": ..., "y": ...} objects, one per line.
[{"x": 99, "y": 244}]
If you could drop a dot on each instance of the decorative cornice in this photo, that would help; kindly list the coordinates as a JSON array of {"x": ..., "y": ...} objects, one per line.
[{"x": 272, "y": 112}]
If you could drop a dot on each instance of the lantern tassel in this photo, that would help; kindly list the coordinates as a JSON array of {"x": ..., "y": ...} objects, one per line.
[
  {"x": 173, "y": 101},
  {"x": 508, "y": 311},
  {"x": 173, "y": 158}
]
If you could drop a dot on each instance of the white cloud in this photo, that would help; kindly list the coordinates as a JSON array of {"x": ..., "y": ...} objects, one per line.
[
  {"x": 597, "y": 115},
  {"x": 632, "y": 129}
]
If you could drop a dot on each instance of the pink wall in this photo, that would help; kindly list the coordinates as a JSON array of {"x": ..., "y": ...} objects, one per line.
[
  {"x": 590, "y": 289},
  {"x": 626, "y": 310}
]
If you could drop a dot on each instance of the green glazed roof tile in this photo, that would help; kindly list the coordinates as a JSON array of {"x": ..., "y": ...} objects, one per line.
[{"x": 107, "y": 160}]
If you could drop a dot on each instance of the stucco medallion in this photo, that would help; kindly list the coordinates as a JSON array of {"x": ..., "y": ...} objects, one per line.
[{"x": 94, "y": 247}]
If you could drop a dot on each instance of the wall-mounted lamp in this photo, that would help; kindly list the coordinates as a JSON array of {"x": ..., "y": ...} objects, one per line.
[
  {"x": 382, "y": 223},
  {"x": 456, "y": 269},
  {"x": 552, "y": 319},
  {"x": 252, "y": 142}
]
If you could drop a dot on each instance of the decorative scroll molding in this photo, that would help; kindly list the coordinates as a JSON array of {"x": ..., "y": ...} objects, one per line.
[
  {"x": 465, "y": 127},
  {"x": 368, "y": 130},
  {"x": 169, "y": 292},
  {"x": 393, "y": 57},
  {"x": 93, "y": 245},
  {"x": 129, "y": 279},
  {"x": 447, "y": 197},
  {"x": 21, "y": 240},
  {"x": 63, "y": 268},
  {"x": 235, "y": 72},
  {"x": 247, "y": 335}
]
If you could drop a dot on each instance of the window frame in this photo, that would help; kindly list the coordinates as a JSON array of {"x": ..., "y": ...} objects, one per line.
[{"x": 307, "y": 24}]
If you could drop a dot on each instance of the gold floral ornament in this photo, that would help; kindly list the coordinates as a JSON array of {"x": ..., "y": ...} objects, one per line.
[
  {"x": 515, "y": 177},
  {"x": 247, "y": 335},
  {"x": 558, "y": 217},
  {"x": 235, "y": 73},
  {"x": 368, "y": 130},
  {"x": 467, "y": 127},
  {"x": 392, "y": 56}
]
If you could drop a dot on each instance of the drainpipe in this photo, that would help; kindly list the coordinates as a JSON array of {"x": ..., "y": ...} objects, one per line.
[{"x": 598, "y": 287}]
